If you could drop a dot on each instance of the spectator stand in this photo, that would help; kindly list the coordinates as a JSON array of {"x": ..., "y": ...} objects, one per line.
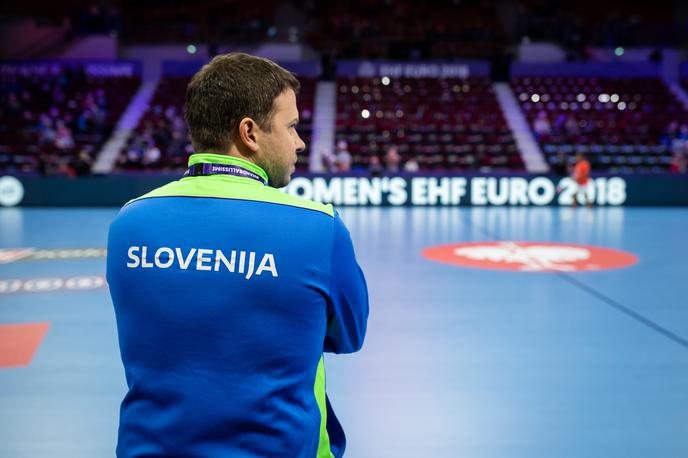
[
  {"x": 424, "y": 115},
  {"x": 676, "y": 135},
  {"x": 161, "y": 142},
  {"x": 620, "y": 115},
  {"x": 56, "y": 115}
]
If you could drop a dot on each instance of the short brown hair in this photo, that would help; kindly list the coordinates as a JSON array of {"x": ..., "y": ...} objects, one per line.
[{"x": 226, "y": 90}]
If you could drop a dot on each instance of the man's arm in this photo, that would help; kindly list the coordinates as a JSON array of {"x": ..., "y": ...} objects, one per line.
[{"x": 347, "y": 313}]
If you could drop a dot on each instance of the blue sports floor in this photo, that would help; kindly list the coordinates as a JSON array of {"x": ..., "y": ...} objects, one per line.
[{"x": 458, "y": 362}]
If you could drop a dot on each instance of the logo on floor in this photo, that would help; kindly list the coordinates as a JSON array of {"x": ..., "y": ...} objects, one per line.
[
  {"x": 9, "y": 255},
  {"x": 52, "y": 284},
  {"x": 530, "y": 256}
]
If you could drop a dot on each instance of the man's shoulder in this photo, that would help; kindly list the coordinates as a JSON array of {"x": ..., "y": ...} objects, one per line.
[
  {"x": 281, "y": 197},
  {"x": 166, "y": 190},
  {"x": 195, "y": 188}
]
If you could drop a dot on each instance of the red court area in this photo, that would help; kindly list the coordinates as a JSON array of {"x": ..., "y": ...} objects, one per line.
[{"x": 19, "y": 342}]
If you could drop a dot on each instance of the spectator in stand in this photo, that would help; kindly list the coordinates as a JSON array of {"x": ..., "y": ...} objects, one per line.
[
  {"x": 329, "y": 160},
  {"x": 541, "y": 125},
  {"x": 392, "y": 159},
  {"x": 63, "y": 166},
  {"x": 179, "y": 137},
  {"x": 571, "y": 125},
  {"x": 679, "y": 140},
  {"x": 46, "y": 133},
  {"x": 133, "y": 157},
  {"x": 83, "y": 164},
  {"x": 679, "y": 163},
  {"x": 63, "y": 137},
  {"x": 672, "y": 129},
  {"x": 411, "y": 165},
  {"x": 48, "y": 163},
  {"x": 375, "y": 166},
  {"x": 151, "y": 153},
  {"x": 13, "y": 105},
  {"x": 683, "y": 132},
  {"x": 343, "y": 157}
]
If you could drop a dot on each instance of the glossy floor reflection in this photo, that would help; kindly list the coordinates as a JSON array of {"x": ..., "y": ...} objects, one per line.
[{"x": 458, "y": 362}]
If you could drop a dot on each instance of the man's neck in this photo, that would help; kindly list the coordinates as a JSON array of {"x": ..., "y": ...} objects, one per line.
[{"x": 236, "y": 152}]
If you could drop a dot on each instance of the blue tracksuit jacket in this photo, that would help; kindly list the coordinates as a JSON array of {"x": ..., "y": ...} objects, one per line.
[{"x": 226, "y": 293}]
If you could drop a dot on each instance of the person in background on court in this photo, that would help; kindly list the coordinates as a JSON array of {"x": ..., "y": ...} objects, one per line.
[
  {"x": 581, "y": 175},
  {"x": 227, "y": 291}
]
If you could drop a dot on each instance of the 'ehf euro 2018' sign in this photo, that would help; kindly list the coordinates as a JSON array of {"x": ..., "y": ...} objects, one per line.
[
  {"x": 99, "y": 68},
  {"x": 363, "y": 190},
  {"x": 403, "y": 69},
  {"x": 456, "y": 191}
]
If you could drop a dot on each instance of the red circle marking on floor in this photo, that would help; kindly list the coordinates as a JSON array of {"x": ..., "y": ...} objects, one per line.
[{"x": 530, "y": 256}]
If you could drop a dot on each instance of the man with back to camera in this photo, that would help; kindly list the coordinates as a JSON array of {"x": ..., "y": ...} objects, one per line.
[{"x": 227, "y": 291}]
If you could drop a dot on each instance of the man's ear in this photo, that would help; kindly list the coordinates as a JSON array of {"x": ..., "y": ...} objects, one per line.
[{"x": 248, "y": 133}]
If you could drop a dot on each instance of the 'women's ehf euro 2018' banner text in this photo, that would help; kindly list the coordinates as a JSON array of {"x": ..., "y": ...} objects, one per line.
[{"x": 455, "y": 191}]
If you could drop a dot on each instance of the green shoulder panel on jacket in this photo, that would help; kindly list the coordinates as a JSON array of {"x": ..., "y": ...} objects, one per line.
[{"x": 229, "y": 187}]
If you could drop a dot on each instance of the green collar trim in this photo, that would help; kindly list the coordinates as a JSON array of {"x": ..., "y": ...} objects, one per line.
[{"x": 200, "y": 158}]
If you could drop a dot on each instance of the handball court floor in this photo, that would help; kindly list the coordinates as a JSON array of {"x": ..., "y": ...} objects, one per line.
[{"x": 458, "y": 361}]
